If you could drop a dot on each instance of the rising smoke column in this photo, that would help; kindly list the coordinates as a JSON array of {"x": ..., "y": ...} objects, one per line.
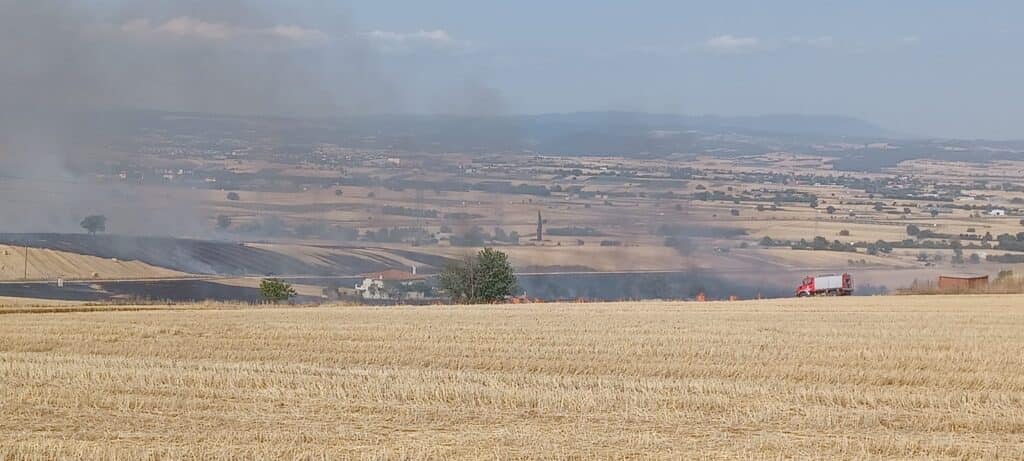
[{"x": 65, "y": 64}]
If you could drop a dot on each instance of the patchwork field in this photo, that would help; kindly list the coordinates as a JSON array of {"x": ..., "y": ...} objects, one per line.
[
  {"x": 52, "y": 264},
  {"x": 881, "y": 377}
]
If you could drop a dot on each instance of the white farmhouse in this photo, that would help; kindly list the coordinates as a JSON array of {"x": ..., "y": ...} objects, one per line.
[{"x": 391, "y": 285}]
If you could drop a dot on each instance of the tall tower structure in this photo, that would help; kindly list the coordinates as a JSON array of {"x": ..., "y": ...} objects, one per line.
[{"x": 540, "y": 228}]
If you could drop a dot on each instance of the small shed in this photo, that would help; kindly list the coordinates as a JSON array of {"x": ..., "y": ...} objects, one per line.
[{"x": 962, "y": 282}]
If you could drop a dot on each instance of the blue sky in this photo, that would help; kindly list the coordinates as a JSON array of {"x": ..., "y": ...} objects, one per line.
[
  {"x": 931, "y": 67},
  {"x": 942, "y": 68}
]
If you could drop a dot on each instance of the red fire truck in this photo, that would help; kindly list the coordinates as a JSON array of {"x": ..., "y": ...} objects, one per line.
[{"x": 826, "y": 285}]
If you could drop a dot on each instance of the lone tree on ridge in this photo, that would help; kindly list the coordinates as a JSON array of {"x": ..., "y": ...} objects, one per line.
[{"x": 94, "y": 224}]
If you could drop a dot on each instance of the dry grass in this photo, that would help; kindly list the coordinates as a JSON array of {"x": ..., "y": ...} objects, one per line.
[
  {"x": 868, "y": 378},
  {"x": 51, "y": 264}
]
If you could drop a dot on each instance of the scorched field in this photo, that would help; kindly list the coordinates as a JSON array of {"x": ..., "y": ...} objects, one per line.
[{"x": 882, "y": 377}]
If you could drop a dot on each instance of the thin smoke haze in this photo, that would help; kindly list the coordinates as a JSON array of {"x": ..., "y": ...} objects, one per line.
[{"x": 65, "y": 63}]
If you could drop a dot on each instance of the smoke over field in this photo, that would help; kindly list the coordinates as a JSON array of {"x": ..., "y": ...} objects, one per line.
[{"x": 64, "y": 65}]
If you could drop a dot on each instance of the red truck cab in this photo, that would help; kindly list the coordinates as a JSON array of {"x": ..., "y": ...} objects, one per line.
[{"x": 806, "y": 287}]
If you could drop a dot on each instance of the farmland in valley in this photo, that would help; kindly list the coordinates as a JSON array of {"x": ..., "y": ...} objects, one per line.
[
  {"x": 732, "y": 213},
  {"x": 830, "y": 378}
]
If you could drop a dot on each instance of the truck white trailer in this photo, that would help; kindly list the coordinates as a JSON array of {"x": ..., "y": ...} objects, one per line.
[{"x": 826, "y": 285}]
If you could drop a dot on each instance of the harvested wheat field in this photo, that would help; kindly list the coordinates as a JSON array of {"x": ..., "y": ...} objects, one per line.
[{"x": 882, "y": 377}]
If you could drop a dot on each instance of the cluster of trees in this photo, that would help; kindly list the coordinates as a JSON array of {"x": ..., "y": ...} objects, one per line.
[
  {"x": 574, "y": 231},
  {"x": 486, "y": 277},
  {"x": 476, "y": 236},
  {"x": 410, "y": 212},
  {"x": 505, "y": 237},
  {"x": 417, "y": 235},
  {"x": 823, "y": 244},
  {"x": 920, "y": 234},
  {"x": 461, "y": 216},
  {"x": 1006, "y": 258},
  {"x": 504, "y": 187}
]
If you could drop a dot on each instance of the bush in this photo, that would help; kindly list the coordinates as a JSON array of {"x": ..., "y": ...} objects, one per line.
[
  {"x": 844, "y": 233},
  {"x": 276, "y": 290},
  {"x": 233, "y": 196},
  {"x": 95, "y": 223}
]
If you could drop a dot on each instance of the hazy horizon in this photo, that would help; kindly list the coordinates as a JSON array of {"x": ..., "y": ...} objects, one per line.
[{"x": 932, "y": 69}]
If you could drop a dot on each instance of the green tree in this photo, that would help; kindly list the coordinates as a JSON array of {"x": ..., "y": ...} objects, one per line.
[
  {"x": 94, "y": 224},
  {"x": 913, "y": 230},
  {"x": 459, "y": 279},
  {"x": 497, "y": 279},
  {"x": 485, "y": 278},
  {"x": 276, "y": 290}
]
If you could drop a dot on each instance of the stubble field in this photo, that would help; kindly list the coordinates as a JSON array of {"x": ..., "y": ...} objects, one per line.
[{"x": 883, "y": 377}]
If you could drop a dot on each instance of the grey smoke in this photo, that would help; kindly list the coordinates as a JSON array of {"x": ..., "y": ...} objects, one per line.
[{"x": 63, "y": 63}]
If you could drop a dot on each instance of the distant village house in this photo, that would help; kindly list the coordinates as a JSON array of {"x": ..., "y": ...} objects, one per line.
[{"x": 392, "y": 285}]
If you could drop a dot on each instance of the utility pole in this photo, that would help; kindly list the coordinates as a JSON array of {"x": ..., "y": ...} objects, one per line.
[{"x": 25, "y": 275}]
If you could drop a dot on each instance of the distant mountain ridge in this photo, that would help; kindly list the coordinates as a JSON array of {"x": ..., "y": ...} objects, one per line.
[
  {"x": 576, "y": 133},
  {"x": 790, "y": 124}
]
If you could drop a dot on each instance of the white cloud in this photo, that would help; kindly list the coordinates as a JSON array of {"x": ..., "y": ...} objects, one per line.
[
  {"x": 298, "y": 34},
  {"x": 185, "y": 27},
  {"x": 399, "y": 41},
  {"x": 824, "y": 41},
  {"x": 731, "y": 43}
]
